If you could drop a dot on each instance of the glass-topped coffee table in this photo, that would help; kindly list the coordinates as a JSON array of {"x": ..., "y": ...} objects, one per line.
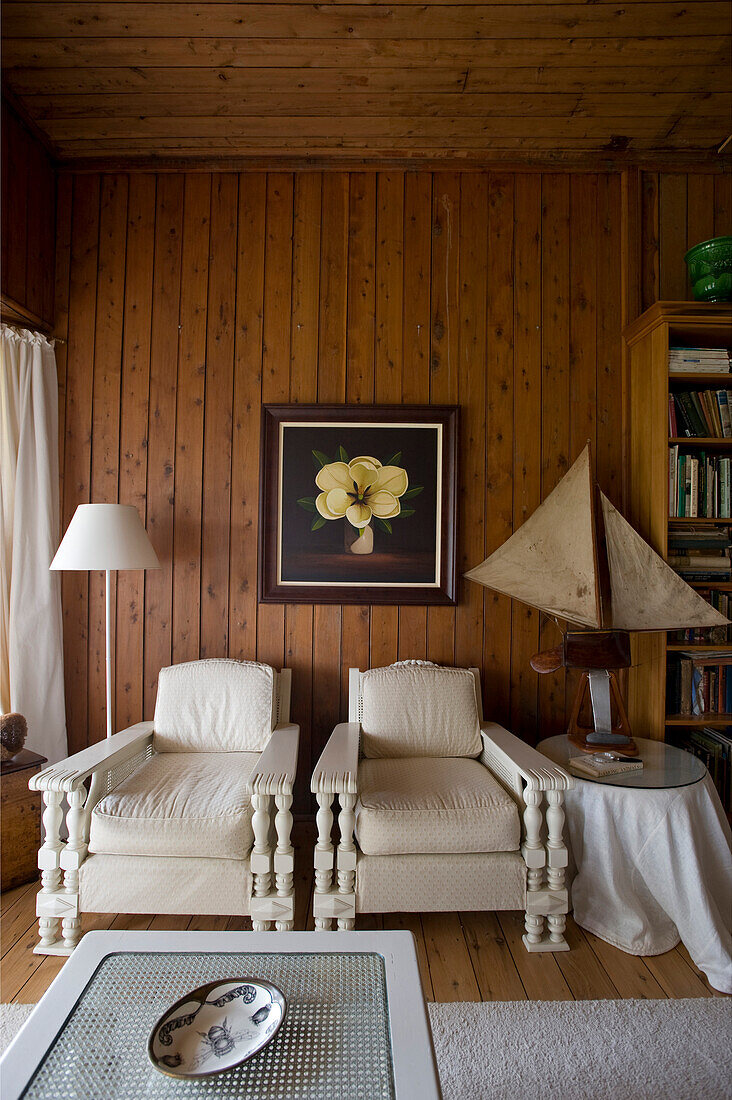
[
  {"x": 663, "y": 765},
  {"x": 356, "y": 1023}
]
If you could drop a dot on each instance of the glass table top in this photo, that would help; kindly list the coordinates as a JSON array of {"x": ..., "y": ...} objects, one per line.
[
  {"x": 663, "y": 765},
  {"x": 335, "y": 1041}
]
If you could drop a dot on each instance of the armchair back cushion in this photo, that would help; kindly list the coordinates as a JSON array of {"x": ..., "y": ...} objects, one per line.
[
  {"x": 216, "y": 705},
  {"x": 419, "y": 710}
]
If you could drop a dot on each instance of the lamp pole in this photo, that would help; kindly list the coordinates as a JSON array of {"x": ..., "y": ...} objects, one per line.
[{"x": 108, "y": 602}]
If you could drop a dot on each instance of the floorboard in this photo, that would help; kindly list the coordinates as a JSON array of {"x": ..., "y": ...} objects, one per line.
[
  {"x": 462, "y": 956},
  {"x": 208, "y": 923},
  {"x": 170, "y": 922},
  {"x": 539, "y": 972},
  {"x": 631, "y": 976},
  {"x": 303, "y": 843},
  {"x": 582, "y": 970},
  {"x": 40, "y": 979},
  {"x": 451, "y": 969},
  {"x": 495, "y": 971},
  {"x": 17, "y": 919},
  {"x": 19, "y": 964},
  {"x": 684, "y": 954},
  {"x": 11, "y": 896},
  {"x": 412, "y": 922},
  {"x": 675, "y": 980}
]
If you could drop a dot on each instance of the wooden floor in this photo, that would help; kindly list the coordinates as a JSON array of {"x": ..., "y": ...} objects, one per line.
[{"x": 463, "y": 956}]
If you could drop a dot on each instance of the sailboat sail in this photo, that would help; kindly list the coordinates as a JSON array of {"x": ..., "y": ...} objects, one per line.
[
  {"x": 646, "y": 593},
  {"x": 551, "y": 563}
]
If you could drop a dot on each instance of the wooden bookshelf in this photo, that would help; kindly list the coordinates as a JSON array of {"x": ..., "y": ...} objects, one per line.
[
  {"x": 698, "y": 378},
  {"x": 697, "y": 647},
  {"x": 717, "y": 721},
  {"x": 665, "y": 325},
  {"x": 701, "y": 441},
  {"x": 695, "y": 521}
]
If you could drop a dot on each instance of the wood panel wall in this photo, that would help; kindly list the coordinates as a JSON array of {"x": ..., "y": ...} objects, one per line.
[
  {"x": 188, "y": 300},
  {"x": 28, "y": 186},
  {"x": 678, "y": 210},
  {"x": 185, "y": 301}
]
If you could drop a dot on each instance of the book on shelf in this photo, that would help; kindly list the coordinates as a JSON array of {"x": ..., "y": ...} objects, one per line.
[
  {"x": 714, "y": 749},
  {"x": 700, "y": 414},
  {"x": 713, "y": 635},
  {"x": 698, "y": 684},
  {"x": 710, "y": 566},
  {"x": 704, "y": 538},
  {"x": 698, "y": 485},
  {"x": 698, "y": 360}
]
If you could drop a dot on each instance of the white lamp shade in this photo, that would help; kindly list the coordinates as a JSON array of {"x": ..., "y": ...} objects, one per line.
[{"x": 105, "y": 536}]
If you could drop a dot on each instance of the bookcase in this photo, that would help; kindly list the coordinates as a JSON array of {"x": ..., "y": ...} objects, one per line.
[{"x": 650, "y": 384}]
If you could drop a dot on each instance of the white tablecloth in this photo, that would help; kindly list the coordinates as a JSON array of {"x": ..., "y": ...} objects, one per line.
[{"x": 653, "y": 867}]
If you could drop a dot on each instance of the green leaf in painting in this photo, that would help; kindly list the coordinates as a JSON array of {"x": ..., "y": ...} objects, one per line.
[
  {"x": 320, "y": 459},
  {"x": 341, "y": 454},
  {"x": 413, "y": 492},
  {"x": 317, "y": 523},
  {"x": 405, "y": 512},
  {"x": 382, "y": 524},
  {"x": 394, "y": 459},
  {"x": 308, "y": 503}
]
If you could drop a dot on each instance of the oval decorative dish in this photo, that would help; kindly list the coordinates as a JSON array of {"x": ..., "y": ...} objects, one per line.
[{"x": 216, "y": 1027}]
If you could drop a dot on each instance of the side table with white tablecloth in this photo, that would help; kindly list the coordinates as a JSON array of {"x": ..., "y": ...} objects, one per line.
[{"x": 653, "y": 864}]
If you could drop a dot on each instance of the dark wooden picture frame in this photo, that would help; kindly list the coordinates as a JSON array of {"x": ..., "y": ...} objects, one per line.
[{"x": 397, "y": 543}]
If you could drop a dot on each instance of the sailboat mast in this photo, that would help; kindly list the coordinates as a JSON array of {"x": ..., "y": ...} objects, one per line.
[
  {"x": 603, "y": 591},
  {"x": 602, "y": 563}
]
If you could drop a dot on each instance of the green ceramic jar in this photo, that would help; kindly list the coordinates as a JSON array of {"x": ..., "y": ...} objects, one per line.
[{"x": 710, "y": 270}]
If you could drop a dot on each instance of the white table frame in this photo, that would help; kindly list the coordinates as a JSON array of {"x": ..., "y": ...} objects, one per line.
[{"x": 415, "y": 1068}]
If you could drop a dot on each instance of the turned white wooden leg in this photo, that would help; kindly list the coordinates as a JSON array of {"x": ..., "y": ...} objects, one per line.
[
  {"x": 49, "y": 861},
  {"x": 72, "y": 856},
  {"x": 346, "y": 854},
  {"x": 557, "y": 858},
  {"x": 261, "y": 857},
  {"x": 284, "y": 857},
  {"x": 323, "y": 857},
  {"x": 535, "y": 858}
]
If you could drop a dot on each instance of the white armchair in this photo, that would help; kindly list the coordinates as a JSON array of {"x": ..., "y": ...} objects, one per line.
[
  {"x": 177, "y": 815},
  {"x": 439, "y": 810}
]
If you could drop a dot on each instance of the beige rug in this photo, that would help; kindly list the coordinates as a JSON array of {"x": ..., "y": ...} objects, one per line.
[
  {"x": 585, "y": 1050},
  {"x": 568, "y": 1050}
]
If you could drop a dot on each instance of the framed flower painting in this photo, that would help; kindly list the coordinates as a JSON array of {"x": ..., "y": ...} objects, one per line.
[{"x": 358, "y": 504}]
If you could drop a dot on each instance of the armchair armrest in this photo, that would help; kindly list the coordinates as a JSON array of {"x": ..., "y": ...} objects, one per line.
[
  {"x": 518, "y": 764},
  {"x": 69, "y": 774},
  {"x": 276, "y": 768},
  {"x": 337, "y": 770},
  {"x": 534, "y": 780}
]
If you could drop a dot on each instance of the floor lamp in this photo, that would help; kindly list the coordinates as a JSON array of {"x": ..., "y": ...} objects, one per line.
[{"x": 106, "y": 536}]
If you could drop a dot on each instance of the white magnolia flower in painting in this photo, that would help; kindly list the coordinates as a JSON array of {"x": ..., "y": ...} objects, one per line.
[{"x": 360, "y": 489}]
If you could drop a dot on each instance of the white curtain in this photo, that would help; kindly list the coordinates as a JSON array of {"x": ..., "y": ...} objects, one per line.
[{"x": 31, "y": 646}]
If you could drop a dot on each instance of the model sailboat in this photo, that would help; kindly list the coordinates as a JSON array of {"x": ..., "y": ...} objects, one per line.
[{"x": 577, "y": 559}]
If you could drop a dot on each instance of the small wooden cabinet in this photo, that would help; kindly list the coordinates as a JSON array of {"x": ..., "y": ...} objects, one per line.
[{"x": 20, "y": 819}]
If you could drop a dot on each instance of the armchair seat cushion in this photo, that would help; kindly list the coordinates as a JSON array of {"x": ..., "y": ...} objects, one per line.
[
  {"x": 179, "y": 804},
  {"x": 426, "y": 805}
]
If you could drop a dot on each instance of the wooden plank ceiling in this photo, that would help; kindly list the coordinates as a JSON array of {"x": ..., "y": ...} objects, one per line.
[{"x": 505, "y": 80}]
